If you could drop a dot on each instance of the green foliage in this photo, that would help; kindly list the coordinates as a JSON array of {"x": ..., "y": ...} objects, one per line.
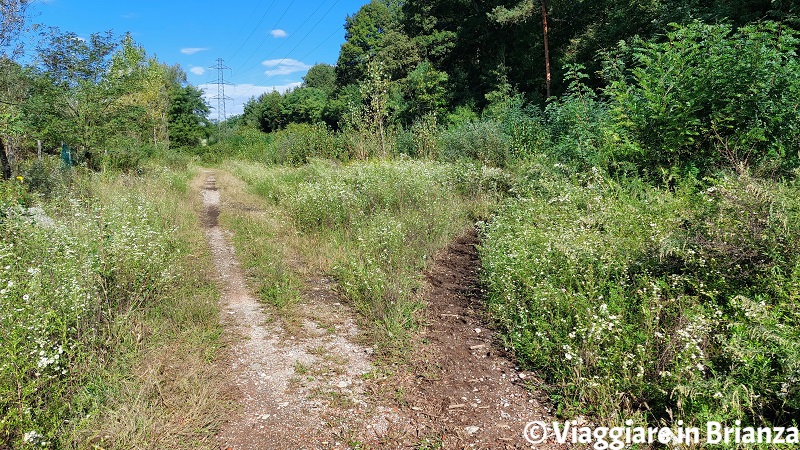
[
  {"x": 322, "y": 77},
  {"x": 45, "y": 177},
  {"x": 485, "y": 141},
  {"x": 421, "y": 139},
  {"x": 101, "y": 96},
  {"x": 75, "y": 277},
  {"x": 636, "y": 301},
  {"x": 710, "y": 97},
  {"x": 13, "y": 197},
  {"x": 265, "y": 113},
  {"x": 425, "y": 91},
  {"x": 582, "y": 131},
  {"x": 365, "y": 35},
  {"x": 188, "y": 121},
  {"x": 298, "y": 143},
  {"x": 304, "y": 105}
]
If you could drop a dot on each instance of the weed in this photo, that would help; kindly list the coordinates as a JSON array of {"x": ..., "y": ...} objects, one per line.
[
  {"x": 93, "y": 309},
  {"x": 633, "y": 300},
  {"x": 373, "y": 226}
]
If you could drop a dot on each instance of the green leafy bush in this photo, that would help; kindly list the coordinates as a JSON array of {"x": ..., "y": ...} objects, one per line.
[
  {"x": 485, "y": 141},
  {"x": 632, "y": 300},
  {"x": 297, "y": 143},
  {"x": 45, "y": 177},
  {"x": 582, "y": 131},
  {"x": 710, "y": 97}
]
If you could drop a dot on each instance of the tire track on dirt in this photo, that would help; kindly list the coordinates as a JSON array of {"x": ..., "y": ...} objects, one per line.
[
  {"x": 466, "y": 388},
  {"x": 284, "y": 383},
  {"x": 304, "y": 387}
]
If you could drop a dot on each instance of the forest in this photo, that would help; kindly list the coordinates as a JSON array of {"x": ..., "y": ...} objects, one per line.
[{"x": 631, "y": 169}]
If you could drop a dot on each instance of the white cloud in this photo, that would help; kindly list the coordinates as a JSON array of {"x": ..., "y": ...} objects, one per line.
[
  {"x": 284, "y": 66},
  {"x": 197, "y": 70},
  {"x": 192, "y": 50},
  {"x": 278, "y": 33},
  {"x": 240, "y": 94}
]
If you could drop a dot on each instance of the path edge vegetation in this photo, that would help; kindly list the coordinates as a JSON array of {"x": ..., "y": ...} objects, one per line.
[{"x": 652, "y": 212}]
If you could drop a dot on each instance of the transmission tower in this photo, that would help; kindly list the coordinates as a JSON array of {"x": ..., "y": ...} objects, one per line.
[{"x": 221, "y": 98}]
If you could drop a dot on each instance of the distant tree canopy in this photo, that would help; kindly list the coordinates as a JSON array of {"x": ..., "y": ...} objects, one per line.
[
  {"x": 97, "y": 95},
  {"x": 443, "y": 55}
]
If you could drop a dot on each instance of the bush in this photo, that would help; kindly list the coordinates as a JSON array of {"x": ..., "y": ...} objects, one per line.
[
  {"x": 582, "y": 131},
  {"x": 44, "y": 177},
  {"x": 297, "y": 143},
  {"x": 485, "y": 141},
  {"x": 709, "y": 97},
  {"x": 632, "y": 300}
]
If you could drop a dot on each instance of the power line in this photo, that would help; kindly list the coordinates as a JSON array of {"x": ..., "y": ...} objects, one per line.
[
  {"x": 255, "y": 28},
  {"x": 283, "y": 42},
  {"x": 221, "y": 98},
  {"x": 265, "y": 39},
  {"x": 270, "y": 77}
]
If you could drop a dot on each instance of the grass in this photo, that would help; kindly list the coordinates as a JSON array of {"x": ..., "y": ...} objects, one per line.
[
  {"x": 634, "y": 301},
  {"x": 94, "y": 310},
  {"x": 371, "y": 225}
]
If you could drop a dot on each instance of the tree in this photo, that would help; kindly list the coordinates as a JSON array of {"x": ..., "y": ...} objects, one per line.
[
  {"x": 14, "y": 86},
  {"x": 146, "y": 85},
  {"x": 188, "y": 116},
  {"x": 521, "y": 13},
  {"x": 80, "y": 100},
  {"x": 265, "y": 112},
  {"x": 304, "y": 105},
  {"x": 365, "y": 37},
  {"x": 322, "y": 77},
  {"x": 12, "y": 22},
  {"x": 425, "y": 91}
]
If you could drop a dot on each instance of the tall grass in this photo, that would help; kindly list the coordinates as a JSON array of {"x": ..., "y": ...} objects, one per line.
[
  {"x": 377, "y": 223},
  {"x": 95, "y": 285},
  {"x": 633, "y": 300}
]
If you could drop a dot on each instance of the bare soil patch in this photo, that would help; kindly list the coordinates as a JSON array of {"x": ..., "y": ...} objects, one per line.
[
  {"x": 295, "y": 390},
  {"x": 464, "y": 390}
]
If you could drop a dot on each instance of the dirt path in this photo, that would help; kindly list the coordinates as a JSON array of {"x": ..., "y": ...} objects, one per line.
[
  {"x": 314, "y": 387},
  {"x": 465, "y": 389},
  {"x": 296, "y": 390}
]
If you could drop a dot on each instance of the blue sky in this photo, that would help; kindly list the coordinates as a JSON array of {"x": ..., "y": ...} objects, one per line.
[{"x": 267, "y": 44}]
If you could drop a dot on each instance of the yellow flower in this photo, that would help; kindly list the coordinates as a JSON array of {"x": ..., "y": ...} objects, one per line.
[{"x": 19, "y": 178}]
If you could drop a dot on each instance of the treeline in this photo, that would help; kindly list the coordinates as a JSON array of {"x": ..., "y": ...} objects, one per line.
[
  {"x": 665, "y": 85},
  {"x": 103, "y": 99}
]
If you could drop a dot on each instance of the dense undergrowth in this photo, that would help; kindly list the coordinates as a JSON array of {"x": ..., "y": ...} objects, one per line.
[
  {"x": 676, "y": 305},
  {"x": 643, "y": 257},
  {"x": 374, "y": 224},
  {"x": 99, "y": 294}
]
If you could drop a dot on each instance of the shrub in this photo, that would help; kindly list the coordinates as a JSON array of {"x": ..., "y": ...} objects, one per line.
[
  {"x": 485, "y": 141},
  {"x": 297, "y": 143},
  {"x": 710, "y": 97},
  {"x": 44, "y": 177},
  {"x": 670, "y": 305}
]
